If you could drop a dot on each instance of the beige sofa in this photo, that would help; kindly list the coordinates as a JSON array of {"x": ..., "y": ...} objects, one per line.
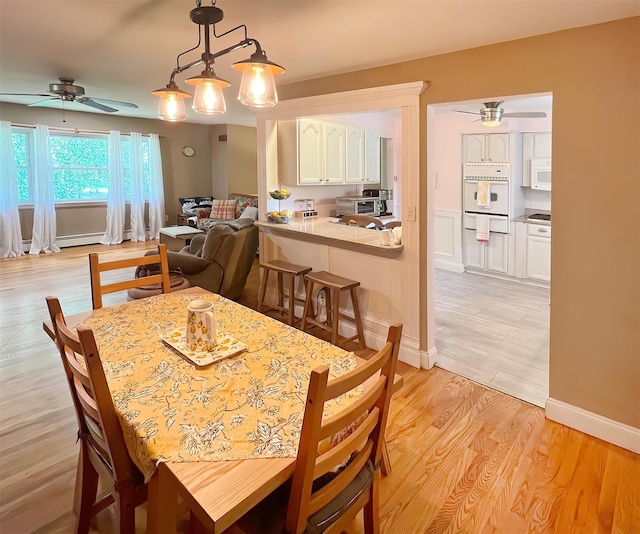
[{"x": 219, "y": 260}]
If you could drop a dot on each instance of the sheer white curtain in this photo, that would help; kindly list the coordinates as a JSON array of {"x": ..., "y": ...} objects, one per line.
[
  {"x": 156, "y": 193},
  {"x": 138, "y": 232},
  {"x": 44, "y": 213},
  {"x": 10, "y": 232},
  {"x": 115, "y": 201}
]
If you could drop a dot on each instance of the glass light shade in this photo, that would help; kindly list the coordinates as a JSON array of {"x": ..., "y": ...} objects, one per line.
[
  {"x": 208, "y": 97},
  {"x": 490, "y": 122},
  {"x": 258, "y": 87},
  {"x": 171, "y": 104}
]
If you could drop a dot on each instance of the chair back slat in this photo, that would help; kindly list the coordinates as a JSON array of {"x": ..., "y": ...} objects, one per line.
[
  {"x": 96, "y": 267},
  {"x": 362, "y": 446},
  {"x": 359, "y": 375},
  {"x": 85, "y": 396},
  {"x": 348, "y": 446},
  {"x": 130, "y": 284},
  {"x": 97, "y": 419},
  {"x": 343, "y": 418},
  {"x": 362, "y": 220}
]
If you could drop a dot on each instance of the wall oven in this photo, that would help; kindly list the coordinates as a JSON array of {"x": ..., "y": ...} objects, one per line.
[{"x": 492, "y": 182}]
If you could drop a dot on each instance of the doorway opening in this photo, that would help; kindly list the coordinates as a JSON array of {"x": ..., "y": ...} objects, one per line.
[{"x": 492, "y": 270}]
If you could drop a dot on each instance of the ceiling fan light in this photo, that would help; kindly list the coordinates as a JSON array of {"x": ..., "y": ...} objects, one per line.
[
  {"x": 171, "y": 104},
  {"x": 258, "y": 86},
  {"x": 491, "y": 116}
]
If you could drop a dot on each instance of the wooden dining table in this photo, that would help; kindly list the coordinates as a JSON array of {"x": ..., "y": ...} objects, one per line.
[{"x": 223, "y": 435}]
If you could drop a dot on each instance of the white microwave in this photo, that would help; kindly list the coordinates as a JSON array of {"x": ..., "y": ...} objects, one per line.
[{"x": 540, "y": 175}]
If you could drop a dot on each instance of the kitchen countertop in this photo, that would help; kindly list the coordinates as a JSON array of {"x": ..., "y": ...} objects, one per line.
[
  {"x": 328, "y": 230},
  {"x": 528, "y": 212}
]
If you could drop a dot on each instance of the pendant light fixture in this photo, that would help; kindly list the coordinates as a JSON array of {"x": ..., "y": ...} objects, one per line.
[{"x": 257, "y": 87}]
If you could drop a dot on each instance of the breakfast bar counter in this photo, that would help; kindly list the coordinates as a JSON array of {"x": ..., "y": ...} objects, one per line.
[
  {"x": 351, "y": 252},
  {"x": 328, "y": 231}
]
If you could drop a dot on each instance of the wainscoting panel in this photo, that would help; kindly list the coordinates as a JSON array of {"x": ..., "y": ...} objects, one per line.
[{"x": 448, "y": 240}]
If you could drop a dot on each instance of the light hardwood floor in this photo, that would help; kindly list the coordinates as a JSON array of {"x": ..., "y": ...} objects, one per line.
[
  {"x": 494, "y": 332},
  {"x": 466, "y": 459}
]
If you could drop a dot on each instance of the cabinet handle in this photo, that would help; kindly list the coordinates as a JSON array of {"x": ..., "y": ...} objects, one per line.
[
  {"x": 490, "y": 159},
  {"x": 543, "y": 230}
]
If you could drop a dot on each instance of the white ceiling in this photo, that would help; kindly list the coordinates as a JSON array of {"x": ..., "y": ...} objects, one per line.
[{"x": 124, "y": 49}]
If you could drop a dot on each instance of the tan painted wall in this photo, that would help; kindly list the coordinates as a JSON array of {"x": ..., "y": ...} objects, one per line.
[
  {"x": 182, "y": 176},
  {"x": 219, "y": 162},
  {"x": 243, "y": 159},
  {"x": 595, "y": 288}
]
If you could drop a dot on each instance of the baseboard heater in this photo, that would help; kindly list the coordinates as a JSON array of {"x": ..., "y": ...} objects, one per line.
[{"x": 77, "y": 240}]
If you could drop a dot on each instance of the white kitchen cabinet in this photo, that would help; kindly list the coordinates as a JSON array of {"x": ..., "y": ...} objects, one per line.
[
  {"x": 492, "y": 256},
  {"x": 322, "y": 153},
  {"x": 486, "y": 148},
  {"x": 535, "y": 145},
  {"x": 355, "y": 155},
  {"x": 372, "y": 157},
  {"x": 334, "y": 150},
  {"x": 538, "y": 252},
  {"x": 310, "y": 152}
]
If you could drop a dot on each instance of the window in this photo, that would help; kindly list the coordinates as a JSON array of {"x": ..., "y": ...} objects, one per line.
[
  {"x": 21, "y": 149},
  {"x": 80, "y": 166}
]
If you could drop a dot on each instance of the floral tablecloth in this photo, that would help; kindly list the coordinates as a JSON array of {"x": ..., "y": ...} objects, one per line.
[{"x": 246, "y": 406}]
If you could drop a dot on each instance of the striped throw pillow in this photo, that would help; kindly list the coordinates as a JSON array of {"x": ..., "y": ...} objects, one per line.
[{"x": 224, "y": 210}]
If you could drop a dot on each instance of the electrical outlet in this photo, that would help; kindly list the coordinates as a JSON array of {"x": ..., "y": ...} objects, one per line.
[{"x": 166, "y": 218}]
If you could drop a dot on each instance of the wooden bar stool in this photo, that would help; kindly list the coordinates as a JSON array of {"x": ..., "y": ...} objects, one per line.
[
  {"x": 334, "y": 285},
  {"x": 282, "y": 268}
]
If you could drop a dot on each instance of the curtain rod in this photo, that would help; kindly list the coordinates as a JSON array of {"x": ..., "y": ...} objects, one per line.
[{"x": 74, "y": 130}]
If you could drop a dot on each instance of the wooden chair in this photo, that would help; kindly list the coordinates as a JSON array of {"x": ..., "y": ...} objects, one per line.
[
  {"x": 392, "y": 224},
  {"x": 102, "y": 448},
  {"x": 363, "y": 221},
  {"x": 319, "y": 499},
  {"x": 96, "y": 268}
]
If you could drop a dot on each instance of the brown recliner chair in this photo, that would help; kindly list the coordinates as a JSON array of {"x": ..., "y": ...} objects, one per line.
[{"x": 219, "y": 260}]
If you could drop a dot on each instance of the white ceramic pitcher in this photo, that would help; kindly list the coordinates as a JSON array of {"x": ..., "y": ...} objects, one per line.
[{"x": 201, "y": 331}]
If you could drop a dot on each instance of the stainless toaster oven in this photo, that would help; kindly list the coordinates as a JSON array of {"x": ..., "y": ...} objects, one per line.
[{"x": 358, "y": 206}]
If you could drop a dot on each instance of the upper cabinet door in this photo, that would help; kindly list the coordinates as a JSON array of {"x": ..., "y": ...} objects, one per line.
[
  {"x": 542, "y": 145},
  {"x": 355, "y": 155},
  {"x": 372, "y": 157},
  {"x": 309, "y": 152},
  {"x": 498, "y": 148},
  {"x": 474, "y": 148},
  {"x": 334, "y": 153}
]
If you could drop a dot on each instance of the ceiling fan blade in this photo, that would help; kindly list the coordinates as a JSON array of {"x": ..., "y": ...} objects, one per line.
[
  {"x": 526, "y": 115},
  {"x": 96, "y": 105},
  {"x": 43, "y": 102},
  {"x": 25, "y": 94},
  {"x": 115, "y": 102},
  {"x": 469, "y": 112}
]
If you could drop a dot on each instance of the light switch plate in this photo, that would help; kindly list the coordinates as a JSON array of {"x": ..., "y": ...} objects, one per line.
[{"x": 411, "y": 213}]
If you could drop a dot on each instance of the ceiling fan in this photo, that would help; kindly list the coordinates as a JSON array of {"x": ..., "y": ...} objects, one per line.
[
  {"x": 491, "y": 114},
  {"x": 67, "y": 92}
]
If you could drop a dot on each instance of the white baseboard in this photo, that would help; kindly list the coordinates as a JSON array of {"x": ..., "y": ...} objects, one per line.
[
  {"x": 625, "y": 436},
  {"x": 428, "y": 359},
  {"x": 448, "y": 265}
]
